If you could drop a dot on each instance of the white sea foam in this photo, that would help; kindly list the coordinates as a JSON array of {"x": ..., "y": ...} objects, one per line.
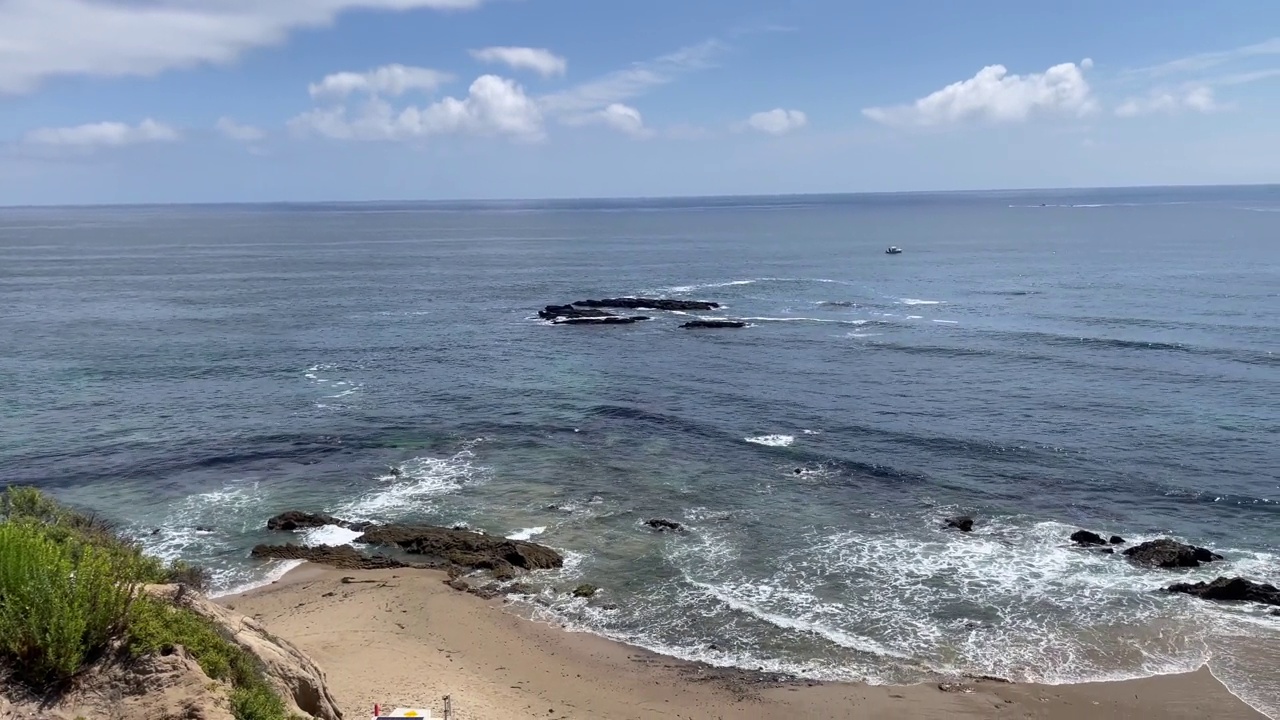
[
  {"x": 916, "y": 301},
  {"x": 412, "y": 490},
  {"x": 682, "y": 289},
  {"x": 276, "y": 571},
  {"x": 802, "y": 319},
  {"x": 734, "y": 598},
  {"x": 772, "y": 440},
  {"x": 915, "y": 317},
  {"x": 527, "y": 533},
  {"x": 948, "y": 322},
  {"x": 1013, "y": 599},
  {"x": 329, "y": 535}
]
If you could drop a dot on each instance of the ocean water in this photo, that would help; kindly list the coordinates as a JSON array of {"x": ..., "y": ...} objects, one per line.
[{"x": 1043, "y": 360}]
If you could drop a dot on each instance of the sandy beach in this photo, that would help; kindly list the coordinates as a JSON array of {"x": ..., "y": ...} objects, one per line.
[{"x": 402, "y": 637}]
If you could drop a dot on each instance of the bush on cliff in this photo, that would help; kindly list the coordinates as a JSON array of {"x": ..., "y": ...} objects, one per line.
[{"x": 71, "y": 592}]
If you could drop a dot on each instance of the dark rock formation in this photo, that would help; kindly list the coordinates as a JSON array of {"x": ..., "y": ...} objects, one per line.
[
  {"x": 1166, "y": 553},
  {"x": 664, "y": 525},
  {"x": 1104, "y": 550},
  {"x": 552, "y": 312},
  {"x": 293, "y": 520},
  {"x": 963, "y": 523},
  {"x": 1276, "y": 613},
  {"x": 457, "y": 550},
  {"x": 1117, "y": 540},
  {"x": 465, "y": 549},
  {"x": 1237, "y": 589},
  {"x": 714, "y": 324},
  {"x": 585, "y": 590},
  {"x": 648, "y": 304},
  {"x": 343, "y": 557},
  {"x": 1084, "y": 537},
  {"x": 610, "y": 320}
]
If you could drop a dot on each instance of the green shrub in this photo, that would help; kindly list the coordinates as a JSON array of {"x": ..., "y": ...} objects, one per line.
[
  {"x": 69, "y": 589},
  {"x": 257, "y": 702},
  {"x": 61, "y": 601},
  {"x": 158, "y": 627}
]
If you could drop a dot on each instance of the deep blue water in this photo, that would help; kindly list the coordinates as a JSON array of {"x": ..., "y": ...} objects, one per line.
[{"x": 1107, "y": 360}]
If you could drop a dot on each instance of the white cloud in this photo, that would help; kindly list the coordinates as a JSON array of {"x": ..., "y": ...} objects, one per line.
[
  {"x": 493, "y": 106},
  {"x": 540, "y": 60},
  {"x": 623, "y": 118},
  {"x": 633, "y": 81},
  {"x": 40, "y": 39},
  {"x": 104, "y": 134},
  {"x": 392, "y": 80},
  {"x": 993, "y": 94},
  {"x": 235, "y": 131},
  {"x": 778, "y": 121},
  {"x": 1197, "y": 98}
]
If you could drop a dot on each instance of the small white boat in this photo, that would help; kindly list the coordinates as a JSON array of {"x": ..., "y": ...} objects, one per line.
[{"x": 894, "y": 250}]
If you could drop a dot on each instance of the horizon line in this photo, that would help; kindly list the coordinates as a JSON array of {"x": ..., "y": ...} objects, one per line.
[{"x": 630, "y": 198}]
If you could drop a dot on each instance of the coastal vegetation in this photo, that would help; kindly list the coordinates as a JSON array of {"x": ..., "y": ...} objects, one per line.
[{"x": 73, "y": 594}]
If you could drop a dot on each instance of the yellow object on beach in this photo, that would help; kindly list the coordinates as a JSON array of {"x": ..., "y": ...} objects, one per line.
[{"x": 407, "y": 713}]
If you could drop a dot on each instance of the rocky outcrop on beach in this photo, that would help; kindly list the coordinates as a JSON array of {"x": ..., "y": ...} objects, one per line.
[
  {"x": 296, "y": 520},
  {"x": 631, "y": 303},
  {"x": 464, "y": 548},
  {"x": 343, "y": 557},
  {"x": 712, "y": 324},
  {"x": 1166, "y": 553},
  {"x": 1230, "y": 589},
  {"x": 963, "y": 523},
  {"x": 438, "y": 547}
]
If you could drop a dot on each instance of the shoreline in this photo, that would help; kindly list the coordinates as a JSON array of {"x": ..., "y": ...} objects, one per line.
[{"x": 404, "y": 637}]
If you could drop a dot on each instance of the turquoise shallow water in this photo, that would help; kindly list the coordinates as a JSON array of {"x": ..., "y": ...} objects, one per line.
[{"x": 1106, "y": 360}]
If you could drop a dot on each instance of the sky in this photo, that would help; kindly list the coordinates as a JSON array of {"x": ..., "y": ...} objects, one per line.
[{"x": 140, "y": 101}]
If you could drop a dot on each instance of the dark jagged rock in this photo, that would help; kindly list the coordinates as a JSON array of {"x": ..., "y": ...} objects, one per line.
[
  {"x": 1230, "y": 589},
  {"x": 464, "y": 548},
  {"x": 963, "y": 523},
  {"x": 1084, "y": 537},
  {"x": 1117, "y": 540},
  {"x": 714, "y": 324},
  {"x": 343, "y": 557},
  {"x": 1276, "y": 613},
  {"x": 457, "y": 549},
  {"x": 664, "y": 525},
  {"x": 648, "y": 304},
  {"x": 552, "y": 312},
  {"x": 585, "y": 590},
  {"x": 296, "y": 520},
  {"x": 1166, "y": 553},
  {"x": 610, "y": 320}
]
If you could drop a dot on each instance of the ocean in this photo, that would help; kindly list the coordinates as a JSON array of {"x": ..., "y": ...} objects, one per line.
[{"x": 1044, "y": 361}]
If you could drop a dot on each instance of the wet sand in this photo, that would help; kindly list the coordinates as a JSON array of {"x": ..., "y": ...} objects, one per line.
[{"x": 402, "y": 637}]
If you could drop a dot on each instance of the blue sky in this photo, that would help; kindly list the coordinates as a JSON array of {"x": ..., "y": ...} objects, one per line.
[{"x": 107, "y": 101}]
